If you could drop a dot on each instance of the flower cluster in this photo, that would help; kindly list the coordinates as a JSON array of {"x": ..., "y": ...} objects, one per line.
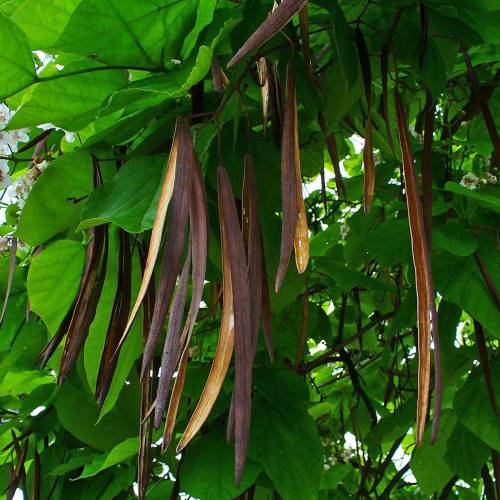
[
  {"x": 10, "y": 139},
  {"x": 472, "y": 181},
  {"x": 9, "y": 143},
  {"x": 344, "y": 231},
  {"x": 21, "y": 187}
]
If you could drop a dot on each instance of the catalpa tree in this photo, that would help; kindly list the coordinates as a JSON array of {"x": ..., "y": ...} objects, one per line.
[{"x": 311, "y": 186}]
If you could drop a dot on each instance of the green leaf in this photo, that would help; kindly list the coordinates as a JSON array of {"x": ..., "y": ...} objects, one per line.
[
  {"x": 344, "y": 46},
  {"x": 44, "y": 20},
  {"x": 54, "y": 203},
  {"x": 454, "y": 238},
  {"x": 467, "y": 465},
  {"x": 428, "y": 463},
  {"x": 17, "y": 69},
  {"x": 80, "y": 419},
  {"x": 459, "y": 280},
  {"x": 53, "y": 281},
  {"x": 389, "y": 243},
  {"x": 474, "y": 410},
  {"x": 284, "y": 437},
  {"x": 26, "y": 347},
  {"x": 339, "y": 100},
  {"x": 69, "y": 102},
  {"x": 204, "y": 17},
  {"x": 488, "y": 197},
  {"x": 130, "y": 33},
  {"x": 208, "y": 468},
  {"x": 77, "y": 459},
  {"x": 129, "y": 200},
  {"x": 121, "y": 452}
]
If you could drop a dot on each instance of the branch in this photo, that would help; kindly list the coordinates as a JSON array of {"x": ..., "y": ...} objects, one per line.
[{"x": 326, "y": 357}]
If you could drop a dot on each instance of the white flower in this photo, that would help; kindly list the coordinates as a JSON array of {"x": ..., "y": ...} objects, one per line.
[
  {"x": 5, "y": 141},
  {"x": 344, "y": 231},
  {"x": 5, "y": 115},
  {"x": 20, "y": 135},
  {"x": 4, "y": 243},
  {"x": 347, "y": 454},
  {"x": 21, "y": 188},
  {"x": 490, "y": 178},
  {"x": 5, "y": 178},
  {"x": 470, "y": 181}
]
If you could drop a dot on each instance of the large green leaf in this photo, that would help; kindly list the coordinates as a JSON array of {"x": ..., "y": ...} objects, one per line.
[
  {"x": 17, "y": 69},
  {"x": 44, "y": 20},
  {"x": 474, "y": 411},
  {"x": 70, "y": 102},
  {"x": 454, "y": 238},
  {"x": 208, "y": 468},
  {"x": 129, "y": 200},
  {"x": 130, "y": 33},
  {"x": 428, "y": 462},
  {"x": 459, "y": 280},
  {"x": 204, "y": 17},
  {"x": 54, "y": 203},
  {"x": 284, "y": 437},
  {"x": 53, "y": 280},
  {"x": 121, "y": 452},
  {"x": 488, "y": 197},
  {"x": 81, "y": 419},
  {"x": 344, "y": 47},
  {"x": 467, "y": 465}
]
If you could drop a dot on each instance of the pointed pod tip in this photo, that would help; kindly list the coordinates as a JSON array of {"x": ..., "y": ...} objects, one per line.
[{"x": 180, "y": 446}]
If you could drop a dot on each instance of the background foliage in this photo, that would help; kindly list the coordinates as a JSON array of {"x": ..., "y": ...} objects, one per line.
[{"x": 333, "y": 416}]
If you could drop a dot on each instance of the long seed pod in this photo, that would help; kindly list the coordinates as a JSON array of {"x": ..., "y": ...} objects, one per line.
[
  {"x": 146, "y": 425},
  {"x": 175, "y": 239},
  {"x": 198, "y": 217},
  {"x": 242, "y": 320},
  {"x": 219, "y": 78},
  {"x": 10, "y": 276},
  {"x": 331, "y": 145},
  {"x": 425, "y": 290},
  {"x": 264, "y": 91},
  {"x": 167, "y": 190},
  {"x": 485, "y": 109},
  {"x": 199, "y": 250},
  {"x": 369, "y": 168},
  {"x": 119, "y": 315},
  {"x": 89, "y": 293},
  {"x": 288, "y": 180},
  {"x": 172, "y": 345},
  {"x": 223, "y": 352},
  {"x": 301, "y": 237},
  {"x": 278, "y": 18},
  {"x": 175, "y": 398},
  {"x": 275, "y": 101},
  {"x": 253, "y": 245}
]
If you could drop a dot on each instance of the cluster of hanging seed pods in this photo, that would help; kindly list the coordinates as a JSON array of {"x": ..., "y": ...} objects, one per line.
[{"x": 245, "y": 294}]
